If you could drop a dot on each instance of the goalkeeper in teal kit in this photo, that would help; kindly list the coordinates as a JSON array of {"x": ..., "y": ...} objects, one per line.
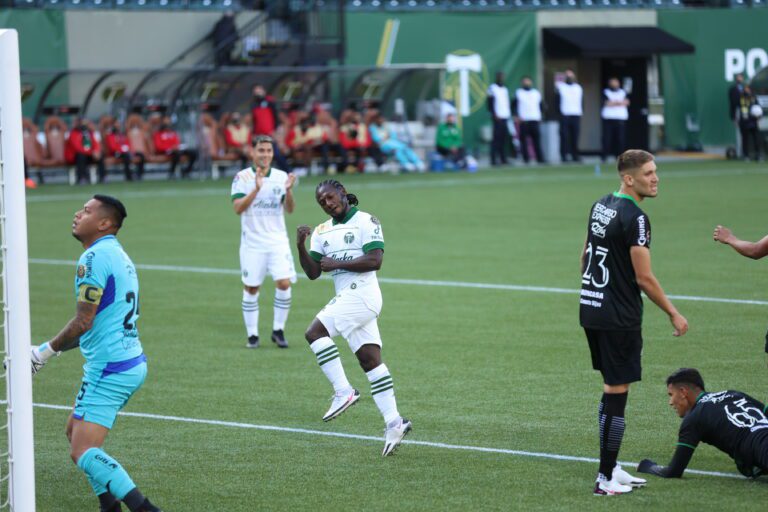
[{"x": 107, "y": 292}]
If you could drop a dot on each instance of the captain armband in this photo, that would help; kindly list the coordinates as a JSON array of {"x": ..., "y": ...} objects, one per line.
[{"x": 90, "y": 294}]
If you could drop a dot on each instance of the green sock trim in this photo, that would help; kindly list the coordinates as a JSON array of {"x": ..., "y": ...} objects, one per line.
[
  {"x": 320, "y": 354},
  {"x": 381, "y": 379},
  {"x": 331, "y": 358},
  {"x": 382, "y": 390}
]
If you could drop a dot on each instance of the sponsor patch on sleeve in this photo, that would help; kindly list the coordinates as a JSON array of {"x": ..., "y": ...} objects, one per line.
[{"x": 90, "y": 294}]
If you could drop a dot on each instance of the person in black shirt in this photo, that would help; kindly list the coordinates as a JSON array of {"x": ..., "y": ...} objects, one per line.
[
  {"x": 731, "y": 421},
  {"x": 616, "y": 266}
]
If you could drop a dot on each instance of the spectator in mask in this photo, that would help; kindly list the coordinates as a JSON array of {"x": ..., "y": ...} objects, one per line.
[
  {"x": 748, "y": 114},
  {"x": 83, "y": 149},
  {"x": 167, "y": 142},
  {"x": 527, "y": 107},
  {"x": 118, "y": 147},
  {"x": 570, "y": 97},
  {"x": 449, "y": 142},
  {"x": 615, "y": 114},
  {"x": 238, "y": 138}
]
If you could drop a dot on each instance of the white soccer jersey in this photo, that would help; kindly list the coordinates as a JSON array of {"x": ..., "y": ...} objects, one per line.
[
  {"x": 263, "y": 222},
  {"x": 358, "y": 234}
]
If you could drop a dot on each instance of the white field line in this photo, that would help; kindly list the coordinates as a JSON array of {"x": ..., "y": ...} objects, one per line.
[
  {"x": 497, "y": 178},
  {"x": 415, "y": 282},
  {"x": 445, "y": 446}
]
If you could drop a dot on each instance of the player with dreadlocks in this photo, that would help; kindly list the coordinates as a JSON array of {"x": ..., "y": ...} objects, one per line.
[{"x": 350, "y": 245}]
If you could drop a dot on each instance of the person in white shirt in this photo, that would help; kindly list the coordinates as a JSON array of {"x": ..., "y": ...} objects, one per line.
[
  {"x": 527, "y": 106},
  {"x": 570, "y": 96},
  {"x": 350, "y": 246},
  {"x": 501, "y": 112},
  {"x": 615, "y": 114},
  {"x": 261, "y": 195}
]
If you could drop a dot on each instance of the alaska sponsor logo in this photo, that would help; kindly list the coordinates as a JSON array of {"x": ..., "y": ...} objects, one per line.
[
  {"x": 349, "y": 237},
  {"x": 343, "y": 257},
  {"x": 262, "y": 204},
  {"x": 642, "y": 237}
]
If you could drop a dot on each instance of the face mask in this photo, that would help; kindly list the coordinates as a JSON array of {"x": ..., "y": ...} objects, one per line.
[
  {"x": 614, "y": 88},
  {"x": 258, "y": 98},
  {"x": 569, "y": 80},
  {"x": 84, "y": 127},
  {"x": 164, "y": 127},
  {"x": 527, "y": 87}
]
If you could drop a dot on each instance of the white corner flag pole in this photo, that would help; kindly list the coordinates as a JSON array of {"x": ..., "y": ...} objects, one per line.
[{"x": 16, "y": 283}]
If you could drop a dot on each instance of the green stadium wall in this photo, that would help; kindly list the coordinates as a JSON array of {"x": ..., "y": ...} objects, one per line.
[
  {"x": 505, "y": 43},
  {"x": 698, "y": 84},
  {"x": 42, "y": 45}
]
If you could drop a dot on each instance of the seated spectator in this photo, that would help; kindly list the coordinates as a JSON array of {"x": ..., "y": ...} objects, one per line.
[
  {"x": 389, "y": 144},
  {"x": 355, "y": 139},
  {"x": 449, "y": 142},
  {"x": 237, "y": 135},
  {"x": 117, "y": 146},
  {"x": 83, "y": 149},
  {"x": 307, "y": 137},
  {"x": 167, "y": 142}
]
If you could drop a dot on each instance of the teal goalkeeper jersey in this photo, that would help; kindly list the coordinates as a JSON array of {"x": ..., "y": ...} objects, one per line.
[{"x": 106, "y": 276}]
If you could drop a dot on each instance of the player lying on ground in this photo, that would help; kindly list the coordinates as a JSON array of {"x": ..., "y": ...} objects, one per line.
[
  {"x": 731, "y": 421},
  {"x": 107, "y": 291},
  {"x": 350, "y": 245}
]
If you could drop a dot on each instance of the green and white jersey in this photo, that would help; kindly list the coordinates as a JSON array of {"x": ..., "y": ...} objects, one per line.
[
  {"x": 263, "y": 223},
  {"x": 357, "y": 234}
]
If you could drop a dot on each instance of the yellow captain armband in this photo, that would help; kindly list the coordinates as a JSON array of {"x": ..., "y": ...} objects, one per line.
[{"x": 90, "y": 294}]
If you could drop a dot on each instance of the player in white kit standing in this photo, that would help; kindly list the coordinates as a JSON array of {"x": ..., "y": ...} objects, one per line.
[
  {"x": 350, "y": 245},
  {"x": 260, "y": 196}
]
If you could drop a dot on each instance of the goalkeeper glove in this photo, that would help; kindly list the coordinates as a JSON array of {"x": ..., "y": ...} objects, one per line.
[
  {"x": 650, "y": 467},
  {"x": 40, "y": 355}
]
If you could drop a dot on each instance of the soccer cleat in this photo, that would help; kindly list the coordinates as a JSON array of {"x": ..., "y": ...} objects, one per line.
[
  {"x": 611, "y": 487},
  {"x": 147, "y": 506},
  {"x": 394, "y": 435},
  {"x": 341, "y": 403},
  {"x": 279, "y": 338},
  {"x": 253, "y": 342},
  {"x": 625, "y": 478}
]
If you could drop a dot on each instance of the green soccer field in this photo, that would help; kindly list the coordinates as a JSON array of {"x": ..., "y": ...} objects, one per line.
[{"x": 480, "y": 329}]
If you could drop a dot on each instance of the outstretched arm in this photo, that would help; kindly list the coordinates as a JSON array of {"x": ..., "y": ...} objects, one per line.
[
  {"x": 676, "y": 466},
  {"x": 754, "y": 250},
  {"x": 641, "y": 263}
]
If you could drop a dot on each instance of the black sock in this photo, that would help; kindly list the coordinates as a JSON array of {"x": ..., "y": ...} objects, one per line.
[
  {"x": 611, "y": 420},
  {"x": 134, "y": 500},
  {"x": 108, "y": 503}
]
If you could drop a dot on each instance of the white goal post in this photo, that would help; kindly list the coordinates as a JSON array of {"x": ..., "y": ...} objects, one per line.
[{"x": 13, "y": 226}]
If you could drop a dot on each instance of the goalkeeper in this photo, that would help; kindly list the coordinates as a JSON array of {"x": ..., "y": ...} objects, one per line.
[
  {"x": 731, "y": 421},
  {"x": 107, "y": 291}
]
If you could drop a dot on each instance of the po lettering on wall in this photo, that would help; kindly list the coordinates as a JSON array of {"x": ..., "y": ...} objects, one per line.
[{"x": 747, "y": 62}]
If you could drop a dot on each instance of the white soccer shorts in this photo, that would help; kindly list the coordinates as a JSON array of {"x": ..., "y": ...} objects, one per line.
[
  {"x": 353, "y": 313},
  {"x": 254, "y": 265}
]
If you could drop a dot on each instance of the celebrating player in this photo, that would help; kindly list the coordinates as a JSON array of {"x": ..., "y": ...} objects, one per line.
[
  {"x": 260, "y": 195},
  {"x": 107, "y": 291},
  {"x": 616, "y": 265},
  {"x": 350, "y": 246},
  {"x": 731, "y": 421}
]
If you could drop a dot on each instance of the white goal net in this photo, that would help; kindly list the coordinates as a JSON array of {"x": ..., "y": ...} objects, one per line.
[{"x": 17, "y": 464}]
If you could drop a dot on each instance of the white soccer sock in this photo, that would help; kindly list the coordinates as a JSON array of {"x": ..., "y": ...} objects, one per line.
[
  {"x": 383, "y": 392},
  {"x": 328, "y": 358},
  {"x": 251, "y": 313},
  {"x": 282, "y": 308}
]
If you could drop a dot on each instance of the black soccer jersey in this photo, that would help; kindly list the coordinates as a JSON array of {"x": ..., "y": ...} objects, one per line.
[
  {"x": 729, "y": 421},
  {"x": 610, "y": 296}
]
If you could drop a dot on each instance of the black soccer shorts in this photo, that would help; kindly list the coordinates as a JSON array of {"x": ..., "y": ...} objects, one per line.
[{"x": 616, "y": 354}]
